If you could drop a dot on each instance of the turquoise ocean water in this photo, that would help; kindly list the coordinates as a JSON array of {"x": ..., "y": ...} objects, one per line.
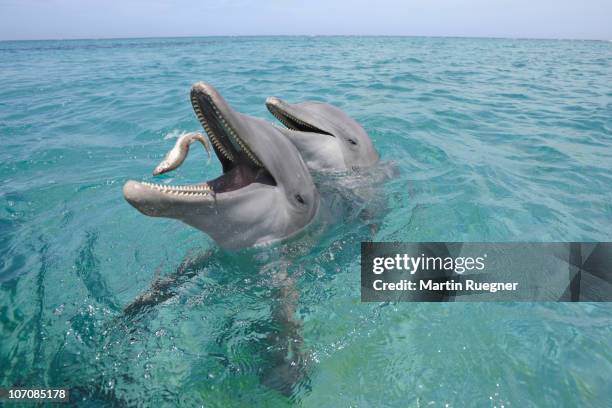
[{"x": 493, "y": 140}]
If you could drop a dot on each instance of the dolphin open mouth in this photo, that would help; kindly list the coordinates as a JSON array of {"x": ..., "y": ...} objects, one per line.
[
  {"x": 241, "y": 167},
  {"x": 282, "y": 112}
]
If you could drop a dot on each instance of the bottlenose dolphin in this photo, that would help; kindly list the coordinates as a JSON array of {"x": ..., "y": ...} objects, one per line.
[
  {"x": 265, "y": 193},
  {"x": 327, "y": 138}
]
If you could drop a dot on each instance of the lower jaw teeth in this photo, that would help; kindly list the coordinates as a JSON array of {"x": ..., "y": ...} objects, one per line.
[{"x": 200, "y": 190}]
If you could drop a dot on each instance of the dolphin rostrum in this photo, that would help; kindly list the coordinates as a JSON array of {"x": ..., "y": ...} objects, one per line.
[
  {"x": 327, "y": 138},
  {"x": 264, "y": 194}
]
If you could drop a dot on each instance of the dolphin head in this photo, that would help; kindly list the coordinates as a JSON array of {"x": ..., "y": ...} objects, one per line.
[
  {"x": 265, "y": 192},
  {"x": 325, "y": 136}
]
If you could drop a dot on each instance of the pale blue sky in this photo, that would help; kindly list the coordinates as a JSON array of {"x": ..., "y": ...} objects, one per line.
[{"x": 43, "y": 19}]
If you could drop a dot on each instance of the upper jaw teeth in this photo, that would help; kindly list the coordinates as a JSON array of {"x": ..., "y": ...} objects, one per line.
[
  {"x": 195, "y": 190},
  {"x": 286, "y": 119},
  {"x": 213, "y": 138},
  {"x": 233, "y": 136}
]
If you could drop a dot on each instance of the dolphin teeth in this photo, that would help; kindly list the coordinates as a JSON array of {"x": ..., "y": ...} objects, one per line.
[
  {"x": 199, "y": 190},
  {"x": 285, "y": 118},
  {"x": 213, "y": 138},
  {"x": 230, "y": 131}
]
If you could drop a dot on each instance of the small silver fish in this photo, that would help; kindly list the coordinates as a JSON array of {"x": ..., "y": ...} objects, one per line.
[{"x": 176, "y": 156}]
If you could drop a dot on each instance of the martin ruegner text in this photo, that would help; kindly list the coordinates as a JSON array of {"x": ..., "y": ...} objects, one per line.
[{"x": 450, "y": 285}]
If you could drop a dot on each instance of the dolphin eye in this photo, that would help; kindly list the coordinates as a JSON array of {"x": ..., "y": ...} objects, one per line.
[
  {"x": 299, "y": 198},
  {"x": 351, "y": 141}
]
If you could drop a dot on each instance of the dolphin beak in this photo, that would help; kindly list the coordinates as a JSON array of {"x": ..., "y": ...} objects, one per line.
[
  {"x": 156, "y": 200},
  {"x": 131, "y": 190},
  {"x": 273, "y": 102},
  {"x": 139, "y": 197}
]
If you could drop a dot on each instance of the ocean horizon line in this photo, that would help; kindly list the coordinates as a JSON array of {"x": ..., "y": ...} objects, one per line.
[{"x": 304, "y": 35}]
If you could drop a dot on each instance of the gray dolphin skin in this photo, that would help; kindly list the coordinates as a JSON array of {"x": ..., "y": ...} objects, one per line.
[
  {"x": 327, "y": 138},
  {"x": 265, "y": 193}
]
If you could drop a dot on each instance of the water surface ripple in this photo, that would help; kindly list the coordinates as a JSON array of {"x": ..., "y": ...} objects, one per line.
[{"x": 494, "y": 140}]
